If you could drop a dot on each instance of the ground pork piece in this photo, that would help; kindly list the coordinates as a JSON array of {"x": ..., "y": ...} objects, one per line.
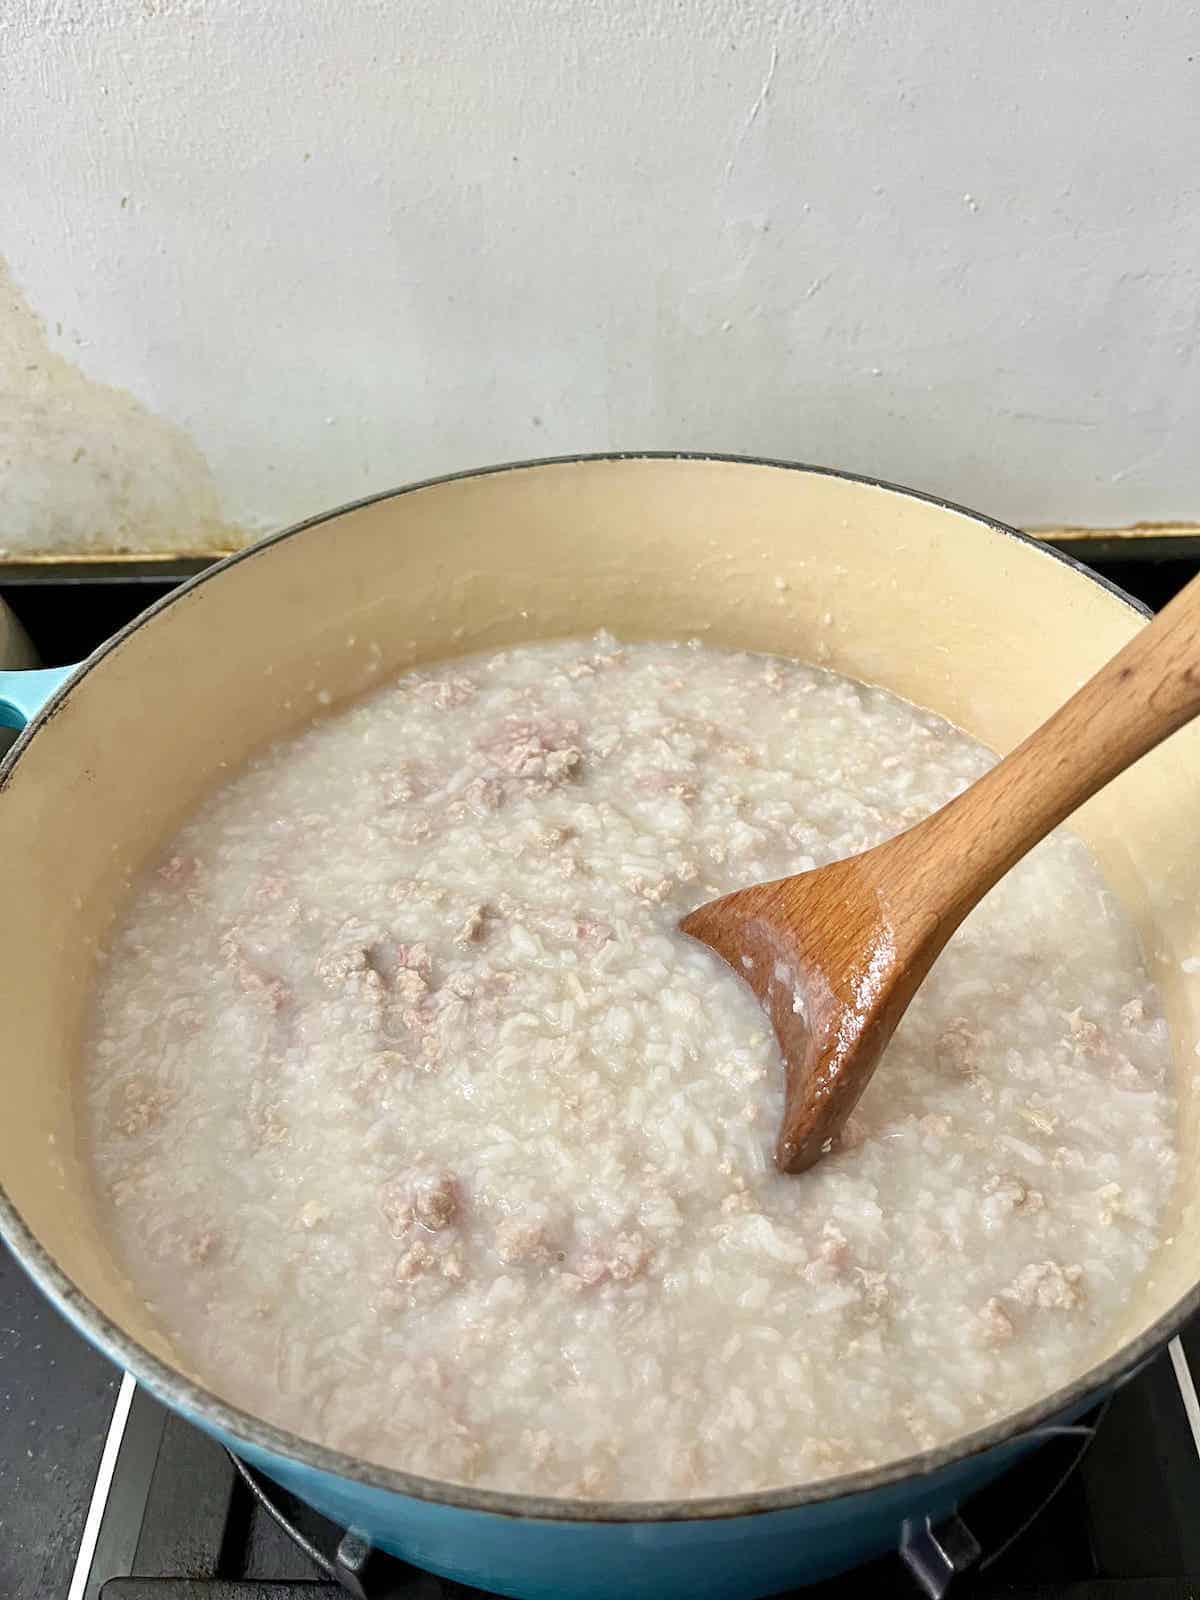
[
  {"x": 204, "y": 1246},
  {"x": 652, "y": 890},
  {"x": 473, "y": 927},
  {"x": 142, "y": 1106},
  {"x": 619, "y": 1260},
  {"x": 588, "y": 666},
  {"x": 361, "y": 953},
  {"x": 1005, "y": 1195},
  {"x": 592, "y": 1269},
  {"x": 409, "y": 983},
  {"x": 1087, "y": 1035},
  {"x": 274, "y": 993},
  {"x": 463, "y": 994},
  {"x": 1048, "y": 1286},
  {"x": 436, "y": 1202},
  {"x": 348, "y": 967},
  {"x": 546, "y": 751},
  {"x": 356, "y": 986},
  {"x": 413, "y": 958},
  {"x": 427, "y": 1200},
  {"x": 558, "y": 765},
  {"x": 410, "y": 988},
  {"x": 832, "y": 1259},
  {"x": 994, "y": 1323},
  {"x": 178, "y": 870},
  {"x": 1133, "y": 1012},
  {"x": 525, "y": 1240},
  {"x": 418, "y": 1258}
]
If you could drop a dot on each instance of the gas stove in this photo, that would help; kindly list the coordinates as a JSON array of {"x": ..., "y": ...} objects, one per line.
[{"x": 105, "y": 1495}]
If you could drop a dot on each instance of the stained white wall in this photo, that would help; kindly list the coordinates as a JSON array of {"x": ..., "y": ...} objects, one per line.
[{"x": 268, "y": 255}]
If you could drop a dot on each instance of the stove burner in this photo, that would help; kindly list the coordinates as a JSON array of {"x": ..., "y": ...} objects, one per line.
[
  {"x": 347, "y": 1557},
  {"x": 940, "y": 1556}
]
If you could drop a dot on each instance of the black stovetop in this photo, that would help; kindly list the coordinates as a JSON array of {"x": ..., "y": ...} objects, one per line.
[{"x": 106, "y": 1496}]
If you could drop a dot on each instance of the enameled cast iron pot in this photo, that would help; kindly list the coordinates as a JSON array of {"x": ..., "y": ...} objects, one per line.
[{"x": 946, "y": 608}]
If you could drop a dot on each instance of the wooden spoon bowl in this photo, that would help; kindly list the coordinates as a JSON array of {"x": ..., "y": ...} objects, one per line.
[{"x": 836, "y": 955}]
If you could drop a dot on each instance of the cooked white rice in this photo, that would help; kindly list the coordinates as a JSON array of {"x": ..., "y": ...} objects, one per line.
[{"x": 426, "y": 1135}]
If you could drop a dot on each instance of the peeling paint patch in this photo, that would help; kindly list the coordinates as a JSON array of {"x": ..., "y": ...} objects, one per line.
[{"x": 86, "y": 467}]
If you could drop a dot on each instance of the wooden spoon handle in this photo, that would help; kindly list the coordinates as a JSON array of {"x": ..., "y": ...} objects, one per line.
[{"x": 1146, "y": 692}]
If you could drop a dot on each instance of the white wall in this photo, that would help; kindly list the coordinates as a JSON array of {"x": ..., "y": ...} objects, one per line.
[{"x": 285, "y": 252}]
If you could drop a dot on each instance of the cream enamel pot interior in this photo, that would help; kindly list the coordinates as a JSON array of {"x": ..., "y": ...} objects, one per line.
[{"x": 948, "y": 609}]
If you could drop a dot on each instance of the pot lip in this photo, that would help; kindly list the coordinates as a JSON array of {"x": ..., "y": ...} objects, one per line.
[{"x": 200, "y": 1404}]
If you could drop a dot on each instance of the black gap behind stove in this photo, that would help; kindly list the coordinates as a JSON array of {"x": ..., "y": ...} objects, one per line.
[{"x": 1113, "y": 1517}]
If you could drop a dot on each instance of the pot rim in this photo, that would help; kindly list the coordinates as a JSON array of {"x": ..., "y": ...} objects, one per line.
[{"x": 200, "y": 1403}]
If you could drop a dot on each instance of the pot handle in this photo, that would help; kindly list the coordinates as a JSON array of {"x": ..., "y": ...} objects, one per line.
[{"x": 23, "y": 694}]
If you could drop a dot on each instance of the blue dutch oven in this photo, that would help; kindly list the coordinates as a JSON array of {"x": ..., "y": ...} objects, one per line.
[{"x": 946, "y": 608}]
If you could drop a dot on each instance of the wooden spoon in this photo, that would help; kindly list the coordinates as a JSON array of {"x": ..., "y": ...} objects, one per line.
[{"x": 835, "y": 955}]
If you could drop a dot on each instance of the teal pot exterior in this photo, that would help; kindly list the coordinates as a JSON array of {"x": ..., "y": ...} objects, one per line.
[{"x": 735, "y": 1557}]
